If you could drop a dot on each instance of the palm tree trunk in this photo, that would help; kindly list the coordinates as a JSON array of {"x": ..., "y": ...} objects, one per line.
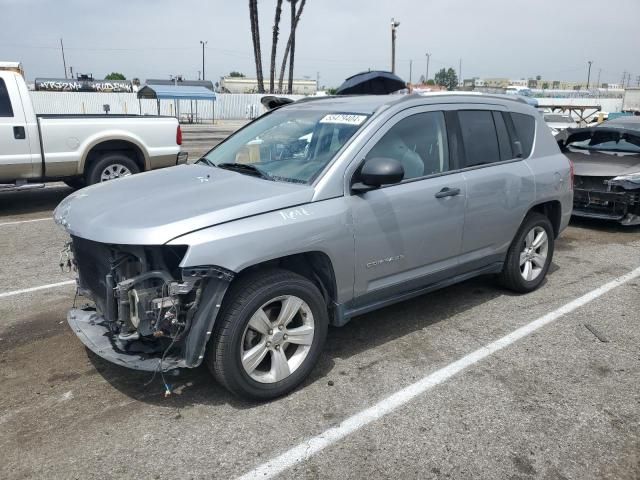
[
  {"x": 255, "y": 36},
  {"x": 274, "y": 46},
  {"x": 292, "y": 51},
  {"x": 294, "y": 25}
]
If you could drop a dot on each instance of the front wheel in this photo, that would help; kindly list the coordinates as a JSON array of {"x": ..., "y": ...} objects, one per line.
[
  {"x": 529, "y": 255},
  {"x": 269, "y": 335}
]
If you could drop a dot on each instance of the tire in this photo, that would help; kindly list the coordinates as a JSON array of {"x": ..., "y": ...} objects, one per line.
[
  {"x": 76, "y": 182},
  {"x": 234, "y": 337},
  {"x": 515, "y": 275},
  {"x": 120, "y": 164}
]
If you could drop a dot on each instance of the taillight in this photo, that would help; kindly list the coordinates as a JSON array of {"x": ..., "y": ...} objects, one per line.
[
  {"x": 571, "y": 174},
  {"x": 179, "y": 135}
]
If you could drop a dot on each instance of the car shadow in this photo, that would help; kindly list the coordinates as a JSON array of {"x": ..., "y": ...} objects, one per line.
[
  {"x": 609, "y": 226},
  {"x": 366, "y": 332},
  {"x": 33, "y": 201}
]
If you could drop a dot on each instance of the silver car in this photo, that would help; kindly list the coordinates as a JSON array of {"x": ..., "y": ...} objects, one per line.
[{"x": 312, "y": 214}]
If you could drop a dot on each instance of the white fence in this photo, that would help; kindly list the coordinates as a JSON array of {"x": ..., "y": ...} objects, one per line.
[{"x": 227, "y": 106}]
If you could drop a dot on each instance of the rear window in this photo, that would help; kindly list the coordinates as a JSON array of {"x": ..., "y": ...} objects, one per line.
[
  {"x": 525, "y": 126},
  {"x": 5, "y": 103}
]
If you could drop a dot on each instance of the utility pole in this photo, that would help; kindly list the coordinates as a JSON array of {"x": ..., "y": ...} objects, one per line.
[
  {"x": 460, "y": 72},
  {"x": 624, "y": 77},
  {"x": 426, "y": 78},
  {"x": 203, "y": 44},
  {"x": 394, "y": 27},
  {"x": 410, "y": 69},
  {"x": 64, "y": 62},
  {"x": 589, "y": 74},
  {"x": 638, "y": 81},
  {"x": 199, "y": 72},
  {"x": 599, "y": 72}
]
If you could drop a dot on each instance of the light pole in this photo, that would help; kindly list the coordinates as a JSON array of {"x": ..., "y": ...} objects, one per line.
[
  {"x": 589, "y": 74},
  {"x": 394, "y": 27},
  {"x": 203, "y": 44},
  {"x": 426, "y": 78}
]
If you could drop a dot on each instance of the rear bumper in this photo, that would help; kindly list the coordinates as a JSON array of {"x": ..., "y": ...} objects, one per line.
[
  {"x": 182, "y": 158},
  {"x": 94, "y": 332}
]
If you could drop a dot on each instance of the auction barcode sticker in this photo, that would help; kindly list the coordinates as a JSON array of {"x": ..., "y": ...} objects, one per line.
[{"x": 345, "y": 118}]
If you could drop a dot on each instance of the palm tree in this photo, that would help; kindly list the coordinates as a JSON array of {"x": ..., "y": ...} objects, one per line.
[
  {"x": 255, "y": 37},
  {"x": 274, "y": 45},
  {"x": 290, "y": 48}
]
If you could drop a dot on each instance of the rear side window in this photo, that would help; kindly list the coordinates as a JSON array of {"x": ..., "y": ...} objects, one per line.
[
  {"x": 478, "y": 137},
  {"x": 504, "y": 141},
  {"x": 525, "y": 126},
  {"x": 5, "y": 103}
]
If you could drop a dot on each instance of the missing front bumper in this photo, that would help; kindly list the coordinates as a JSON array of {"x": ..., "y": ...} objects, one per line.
[{"x": 94, "y": 332}]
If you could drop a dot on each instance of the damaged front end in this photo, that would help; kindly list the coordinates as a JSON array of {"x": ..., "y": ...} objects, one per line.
[
  {"x": 609, "y": 198},
  {"x": 149, "y": 313}
]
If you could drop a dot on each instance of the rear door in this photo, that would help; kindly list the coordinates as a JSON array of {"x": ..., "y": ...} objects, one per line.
[
  {"x": 500, "y": 185},
  {"x": 409, "y": 234},
  {"x": 15, "y": 152}
]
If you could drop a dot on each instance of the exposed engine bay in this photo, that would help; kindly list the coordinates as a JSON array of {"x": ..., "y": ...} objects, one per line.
[{"x": 148, "y": 313}]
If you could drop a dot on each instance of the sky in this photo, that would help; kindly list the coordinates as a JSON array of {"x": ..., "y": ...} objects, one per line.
[{"x": 335, "y": 39}]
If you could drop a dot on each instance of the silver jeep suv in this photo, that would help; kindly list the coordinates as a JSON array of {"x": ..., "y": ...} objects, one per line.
[{"x": 312, "y": 214}]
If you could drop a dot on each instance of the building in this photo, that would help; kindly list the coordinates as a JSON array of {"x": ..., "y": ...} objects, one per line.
[{"x": 250, "y": 85}]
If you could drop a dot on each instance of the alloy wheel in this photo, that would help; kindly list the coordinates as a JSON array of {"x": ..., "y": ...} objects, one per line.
[
  {"x": 277, "y": 339},
  {"x": 113, "y": 171},
  {"x": 533, "y": 256}
]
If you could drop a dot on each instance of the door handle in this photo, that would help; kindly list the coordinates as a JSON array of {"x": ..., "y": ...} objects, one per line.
[
  {"x": 19, "y": 133},
  {"x": 448, "y": 192}
]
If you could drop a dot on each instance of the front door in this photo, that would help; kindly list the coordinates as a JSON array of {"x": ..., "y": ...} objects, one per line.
[{"x": 408, "y": 234}]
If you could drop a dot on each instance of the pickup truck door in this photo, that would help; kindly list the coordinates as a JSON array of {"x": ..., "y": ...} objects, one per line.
[
  {"x": 409, "y": 234},
  {"x": 15, "y": 150}
]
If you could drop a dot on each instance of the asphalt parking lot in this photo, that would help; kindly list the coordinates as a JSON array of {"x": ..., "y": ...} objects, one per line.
[{"x": 562, "y": 402}]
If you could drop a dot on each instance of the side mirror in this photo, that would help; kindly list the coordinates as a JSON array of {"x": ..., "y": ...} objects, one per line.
[{"x": 377, "y": 172}]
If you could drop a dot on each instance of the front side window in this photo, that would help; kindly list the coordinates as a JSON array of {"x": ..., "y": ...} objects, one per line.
[
  {"x": 5, "y": 102},
  {"x": 418, "y": 142},
  {"x": 288, "y": 145},
  {"x": 479, "y": 137}
]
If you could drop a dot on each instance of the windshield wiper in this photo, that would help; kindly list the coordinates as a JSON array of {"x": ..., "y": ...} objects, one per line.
[
  {"x": 245, "y": 168},
  {"x": 206, "y": 161}
]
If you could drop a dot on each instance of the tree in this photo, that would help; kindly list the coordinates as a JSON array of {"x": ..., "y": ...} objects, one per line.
[
  {"x": 545, "y": 85},
  {"x": 422, "y": 80},
  {"x": 255, "y": 37},
  {"x": 115, "y": 76},
  {"x": 235, "y": 74},
  {"x": 538, "y": 77},
  {"x": 447, "y": 78},
  {"x": 430, "y": 82},
  {"x": 274, "y": 46},
  {"x": 289, "y": 51}
]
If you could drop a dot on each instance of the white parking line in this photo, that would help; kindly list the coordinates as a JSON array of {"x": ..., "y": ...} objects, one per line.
[
  {"x": 25, "y": 221},
  {"x": 35, "y": 289},
  {"x": 316, "y": 444}
]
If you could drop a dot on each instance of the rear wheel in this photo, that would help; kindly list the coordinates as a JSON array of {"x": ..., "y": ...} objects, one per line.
[
  {"x": 269, "y": 335},
  {"x": 110, "y": 167},
  {"x": 529, "y": 255}
]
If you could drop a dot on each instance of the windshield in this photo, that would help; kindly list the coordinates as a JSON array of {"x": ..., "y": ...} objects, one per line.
[
  {"x": 608, "y": 143},
  {"x": 287, "y": 145}
]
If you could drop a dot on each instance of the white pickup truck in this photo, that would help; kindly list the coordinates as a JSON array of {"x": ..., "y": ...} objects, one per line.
[{"x": 77, "y": 149}]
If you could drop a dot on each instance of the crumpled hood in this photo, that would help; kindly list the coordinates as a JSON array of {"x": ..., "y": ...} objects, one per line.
[
  {"x": 154, "y": 207},
  {"x": 598, "y": 164}
]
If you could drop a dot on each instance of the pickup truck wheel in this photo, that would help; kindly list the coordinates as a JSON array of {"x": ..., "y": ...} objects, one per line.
[
  {"x": 529, "y": 255},
  {"x": 110, "y": 167},
  {"x": 269, "y": 336}
]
